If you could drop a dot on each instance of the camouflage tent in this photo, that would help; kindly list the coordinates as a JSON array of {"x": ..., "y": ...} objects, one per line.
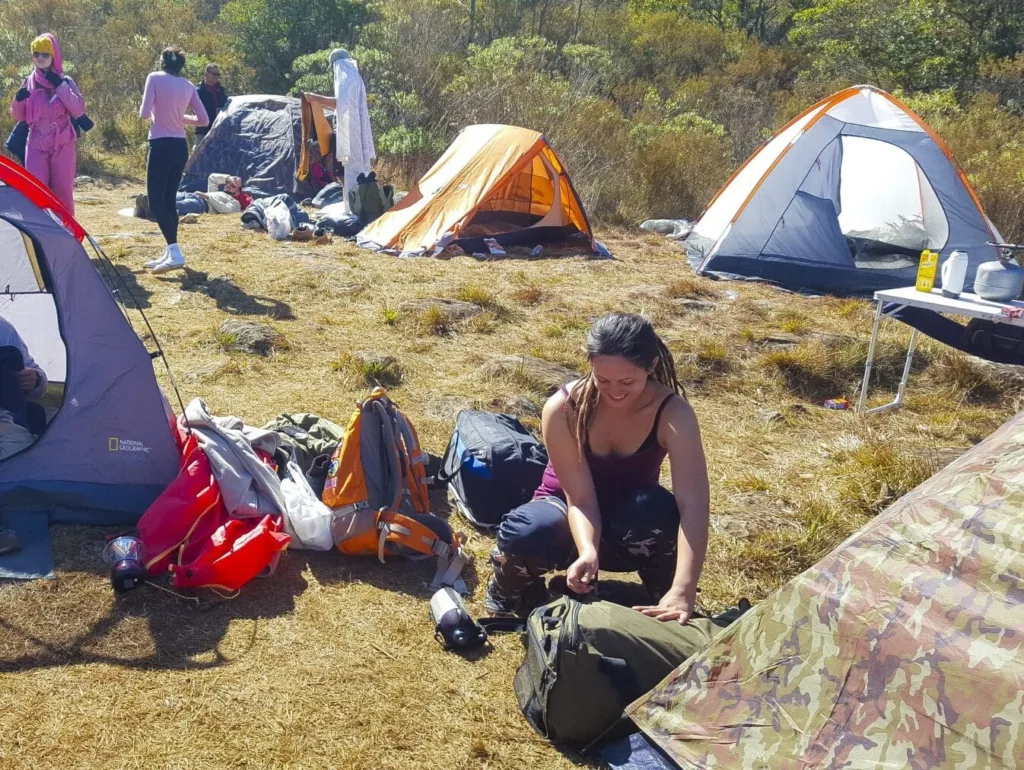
[{"x": 903, "y": 648}]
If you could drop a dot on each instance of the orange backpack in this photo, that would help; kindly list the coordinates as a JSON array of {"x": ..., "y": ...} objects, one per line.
[{"x": 377, "y": 487}]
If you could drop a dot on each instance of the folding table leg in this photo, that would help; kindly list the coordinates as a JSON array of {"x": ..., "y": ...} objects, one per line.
[
  {"x": 906, "y": 370},
  {"x": 871, "y": 359},
  {"x": 903, "y": 380}
]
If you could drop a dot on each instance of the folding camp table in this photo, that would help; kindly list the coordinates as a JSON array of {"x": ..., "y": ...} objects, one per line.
[{"x": 969, "y": 305}]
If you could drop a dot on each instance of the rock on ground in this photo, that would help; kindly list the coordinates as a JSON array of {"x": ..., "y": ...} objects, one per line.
[
  {"x": 695, "y": 305},
  {"x": 206, "y": 372},
  {"x": 379, "y": 368},
  {"x": 454, "y": 309},
  {"x": 250, "y": 337},
  {"x": 519, "y": 406},
  {"x": 549, "y": 375}
]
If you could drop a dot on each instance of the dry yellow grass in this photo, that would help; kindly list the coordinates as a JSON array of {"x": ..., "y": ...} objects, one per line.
[{"x": 331, "y": 662}]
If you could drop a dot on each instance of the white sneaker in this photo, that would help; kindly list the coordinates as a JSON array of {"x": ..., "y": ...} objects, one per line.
[
  {"x": 154, "y": 262},
  {"x": 174, "y": 260}
]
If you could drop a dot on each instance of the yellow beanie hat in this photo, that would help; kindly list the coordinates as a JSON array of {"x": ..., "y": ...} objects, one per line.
[{"x": 43, "y": 44}]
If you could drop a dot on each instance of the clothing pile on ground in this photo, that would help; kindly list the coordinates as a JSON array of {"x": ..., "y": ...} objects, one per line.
[{"x": 243, "y": 495}]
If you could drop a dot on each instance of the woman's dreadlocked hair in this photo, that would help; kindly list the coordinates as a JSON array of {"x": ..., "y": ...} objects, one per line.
[{"x": 628, "y": 336}]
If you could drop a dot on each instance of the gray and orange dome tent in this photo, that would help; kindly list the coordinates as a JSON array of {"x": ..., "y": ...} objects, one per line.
[
  {"x": 843, "y": 199},
  {"x": 494, "y": 181}
]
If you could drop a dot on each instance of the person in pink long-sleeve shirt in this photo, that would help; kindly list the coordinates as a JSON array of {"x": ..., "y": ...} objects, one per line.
[
  {"x": 47, "y": 101},
  {"x": 164, "y": 102}
]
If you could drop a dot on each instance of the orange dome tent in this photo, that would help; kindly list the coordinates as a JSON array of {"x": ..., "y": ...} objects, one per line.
[{"x": 494, "y": 181}]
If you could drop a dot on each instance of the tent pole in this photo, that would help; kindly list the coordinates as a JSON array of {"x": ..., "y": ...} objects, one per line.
[{"x": 156, "y": 340}]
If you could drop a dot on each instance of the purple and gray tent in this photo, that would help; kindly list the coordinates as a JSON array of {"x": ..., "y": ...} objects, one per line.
[{"x": 107, "y": 450}]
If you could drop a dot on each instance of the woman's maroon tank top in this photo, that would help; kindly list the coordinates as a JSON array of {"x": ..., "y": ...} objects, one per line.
[{"x": 614, "y": 477}]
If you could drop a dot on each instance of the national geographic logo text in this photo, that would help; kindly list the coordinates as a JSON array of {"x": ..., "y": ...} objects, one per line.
[{"x": 127, "y": 445}]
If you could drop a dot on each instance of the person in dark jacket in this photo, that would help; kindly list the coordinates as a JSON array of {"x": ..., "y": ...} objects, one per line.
[{"x": 212, "y": 95}]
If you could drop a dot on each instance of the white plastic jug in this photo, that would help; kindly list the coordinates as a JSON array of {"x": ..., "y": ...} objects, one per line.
[{"x": 954, "y": 273}]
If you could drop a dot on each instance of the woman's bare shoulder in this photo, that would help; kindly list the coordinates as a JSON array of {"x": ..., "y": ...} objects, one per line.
[
  {"x": 558, "y": 400},
  {"x": 679, "y": 415}
]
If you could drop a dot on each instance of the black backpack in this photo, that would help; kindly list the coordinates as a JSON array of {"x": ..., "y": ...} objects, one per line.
[{"x": 492, "y": 465}]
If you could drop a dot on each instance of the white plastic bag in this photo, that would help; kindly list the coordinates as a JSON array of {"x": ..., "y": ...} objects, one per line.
[
  {"x": 279, "y": 221},
  {"x": 306, "y": 519}
]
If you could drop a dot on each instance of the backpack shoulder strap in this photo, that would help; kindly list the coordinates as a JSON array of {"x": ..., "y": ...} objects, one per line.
[
  {"x": 390, "y": 450},
  {"x": 416, "y": 474},
  {"x": 402, "y": 530}
]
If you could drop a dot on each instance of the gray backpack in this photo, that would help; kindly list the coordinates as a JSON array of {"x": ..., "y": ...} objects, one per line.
[{"x": 585, "y": 662}]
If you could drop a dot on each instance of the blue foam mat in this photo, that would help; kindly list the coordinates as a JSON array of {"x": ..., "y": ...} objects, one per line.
[
  {"x": 635, "y": 752},
  {"x": 34, "y": 559}
]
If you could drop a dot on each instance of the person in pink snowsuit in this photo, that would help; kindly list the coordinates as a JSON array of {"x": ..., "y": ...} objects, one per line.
[{"x": 47, "y": 101}]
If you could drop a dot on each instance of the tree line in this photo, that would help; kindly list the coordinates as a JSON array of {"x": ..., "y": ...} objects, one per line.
[{"x": 650, "y": 103}]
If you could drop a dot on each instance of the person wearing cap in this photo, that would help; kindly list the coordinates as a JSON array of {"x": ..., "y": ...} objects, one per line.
[
  {"x": 49, "y": 102},
  {"x": 212, "y": 95}
]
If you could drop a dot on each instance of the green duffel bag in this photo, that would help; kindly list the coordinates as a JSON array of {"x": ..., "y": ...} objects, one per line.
[{"x": 586, "y": 661}]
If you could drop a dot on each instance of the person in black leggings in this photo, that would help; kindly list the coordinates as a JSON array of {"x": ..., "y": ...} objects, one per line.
[
  {"x": 165, "y": 164},
  {"x": 167, "y": 97}
]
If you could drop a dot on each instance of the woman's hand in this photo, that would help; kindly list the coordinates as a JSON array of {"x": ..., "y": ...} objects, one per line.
[
  {"x": 582, "y": 574},
  {"x": 54, "y": 79},
  {"x": 22, "y": 95},
  {"x": 676, "y": 604},
  {"x": 28, "y": 379}
]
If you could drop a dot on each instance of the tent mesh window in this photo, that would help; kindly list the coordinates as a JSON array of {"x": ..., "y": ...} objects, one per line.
[{"x": 26, "y": 302}]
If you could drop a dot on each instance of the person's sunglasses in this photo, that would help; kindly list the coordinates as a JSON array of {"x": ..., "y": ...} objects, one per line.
[
  {"x": 39, "y": 54},
  {"x": 214, "y": 74}
]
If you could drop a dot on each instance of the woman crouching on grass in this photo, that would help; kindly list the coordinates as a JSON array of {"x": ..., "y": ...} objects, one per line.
[{"x": 599, "y": 504}]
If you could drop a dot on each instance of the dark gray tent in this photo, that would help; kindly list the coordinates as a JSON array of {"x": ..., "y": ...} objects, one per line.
[{"x": 258, "y": 138}]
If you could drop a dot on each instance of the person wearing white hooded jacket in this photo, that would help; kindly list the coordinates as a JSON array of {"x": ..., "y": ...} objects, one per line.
[{"x": 353, "y": 135}]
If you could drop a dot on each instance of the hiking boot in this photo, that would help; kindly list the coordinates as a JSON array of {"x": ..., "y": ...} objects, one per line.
[
  {"x": 189, "y": 219},
  {"x": 174, "y": 260},
  {"x": 496, "y": 605},
  {"x": 8, "y": 541},
  {"x": 154, "y": 262}
]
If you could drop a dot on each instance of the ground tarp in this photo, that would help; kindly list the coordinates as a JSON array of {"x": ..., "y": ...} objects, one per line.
[{"x": 902, "y": 648}]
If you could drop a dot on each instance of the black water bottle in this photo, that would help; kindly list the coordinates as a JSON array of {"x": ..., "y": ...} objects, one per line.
[
  {"x": 126, "y": 557},
  {"x": 454, "y": 627}
]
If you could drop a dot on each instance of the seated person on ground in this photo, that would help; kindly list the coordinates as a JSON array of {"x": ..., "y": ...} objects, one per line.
[
  {"x": 323, "y": 170},
  {"x": 599, "y": 505},
  {"x": 21, "y": 382},
  {"x": 223, "y": 195}
]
